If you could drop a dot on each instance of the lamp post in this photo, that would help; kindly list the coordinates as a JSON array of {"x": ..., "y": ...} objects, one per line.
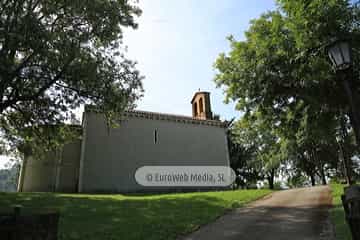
[{"x": 340, "y": 55}]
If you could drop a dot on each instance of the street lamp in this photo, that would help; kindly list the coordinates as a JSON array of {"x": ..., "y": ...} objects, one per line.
[{"x": 340, "y": 55}]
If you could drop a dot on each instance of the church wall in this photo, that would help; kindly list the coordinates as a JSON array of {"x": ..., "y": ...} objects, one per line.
[
  {"x": 111, "y": 156},
  {"x": 39, "y": 174},
  {"x": 68, "y": 172},
  {"x": 56, "y": 171}
]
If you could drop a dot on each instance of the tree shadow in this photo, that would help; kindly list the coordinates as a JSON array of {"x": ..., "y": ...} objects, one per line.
[{"x": 118, "y": 217}]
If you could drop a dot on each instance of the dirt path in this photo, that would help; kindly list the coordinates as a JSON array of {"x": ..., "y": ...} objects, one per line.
[{"x": 298, "y": 214}]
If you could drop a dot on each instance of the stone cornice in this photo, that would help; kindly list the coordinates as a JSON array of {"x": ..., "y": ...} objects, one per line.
[
  {"x": 167, "y": 117},
  {"x": 173, "y": 117}
]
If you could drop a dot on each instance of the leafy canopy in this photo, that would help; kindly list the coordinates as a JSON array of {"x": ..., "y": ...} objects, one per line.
[
  {"x": 57, "y": 55},
  {"x": 281, "y": 72},
  {"x": 282, "y": 59}
]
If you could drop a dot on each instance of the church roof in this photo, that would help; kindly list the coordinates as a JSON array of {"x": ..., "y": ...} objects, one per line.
[
  {"x": 174, "y": 117},
  {"x": 168, "y": 117},
  {"x": 197, "y": 93}
]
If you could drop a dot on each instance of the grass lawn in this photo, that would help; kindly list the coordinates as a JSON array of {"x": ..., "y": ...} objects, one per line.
[
  {"x": 132, "y": 216},
  {"x": 337, "y": 213}
]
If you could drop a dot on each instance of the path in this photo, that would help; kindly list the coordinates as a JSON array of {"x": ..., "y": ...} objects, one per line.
[{"x": 297, "y": 214}]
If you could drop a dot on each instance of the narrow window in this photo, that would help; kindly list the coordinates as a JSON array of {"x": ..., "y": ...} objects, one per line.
[
  {"x": 201, "y": 105},
  {"x": 155, "y": 136},
  {"x": 195, "y": 110}
]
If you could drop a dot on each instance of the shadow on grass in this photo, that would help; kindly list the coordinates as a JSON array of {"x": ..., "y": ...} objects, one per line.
[
  {"x": 118, "y": 217},
  {"x": 338, "y": 215},
  {"x": 342, "y": 227},
  {"x": 167, "y": 216}
]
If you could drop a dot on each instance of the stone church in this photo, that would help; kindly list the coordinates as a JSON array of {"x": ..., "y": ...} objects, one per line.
[{"x": 105, "y": 160}]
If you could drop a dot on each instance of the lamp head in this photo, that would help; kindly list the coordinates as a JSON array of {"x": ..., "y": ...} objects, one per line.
[{"x": 340, "y": 54}]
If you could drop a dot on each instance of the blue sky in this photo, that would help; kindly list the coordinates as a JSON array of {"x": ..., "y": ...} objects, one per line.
[{"x": 177, "y": 43}]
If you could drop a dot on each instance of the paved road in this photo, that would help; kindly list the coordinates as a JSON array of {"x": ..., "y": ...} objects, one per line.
[{"x": 298, "y": 214}]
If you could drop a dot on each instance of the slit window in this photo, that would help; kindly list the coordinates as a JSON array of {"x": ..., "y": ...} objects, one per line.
[
  {"x": 195, "y": 109},
  {"x": 155, "y": 136},
  {"x": 201, "y": 106}
]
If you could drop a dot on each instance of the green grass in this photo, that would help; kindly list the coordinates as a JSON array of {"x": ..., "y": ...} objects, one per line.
[
  {"x": 338, "y": 215},
  {"x": 119, "y": 216}
]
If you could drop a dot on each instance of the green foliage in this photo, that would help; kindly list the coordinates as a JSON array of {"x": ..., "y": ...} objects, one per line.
[
  {"x": 241, "y": 160},
  {"x": 281, "y": 63},
  {"x": 134, "y": 216},
  {"x": 58, "y": 55},
  {"x": 277, "y": 186},
  {"x": 261, "y": 143},
  {"x": 281, "y": 72},
  {"x": 298, "y": 180}
]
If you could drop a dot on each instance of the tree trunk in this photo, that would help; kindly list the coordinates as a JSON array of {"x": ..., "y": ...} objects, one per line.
[
  {"x": 312, "y": 178},
  {"x": 344, "y": 158},
  {"x": 270, "y": 179},
  {"x": 344, "y": 154},
  {"x": 352, "y": 100},
  {"x": 320, "y": 167},
  {"x": 323, "y": 177},
  {"x": 322, "y": 173}
]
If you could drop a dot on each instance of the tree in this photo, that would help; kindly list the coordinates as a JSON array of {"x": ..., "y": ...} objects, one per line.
[
  {"x": 241, "y": 157},
  {"x": 282, "y": 71},
  {"x": 261, "y": 144},
  {"x": 268, "y": 69},
  {"x": 58, "y": 55},
  {"x": 347, "y": 149}
]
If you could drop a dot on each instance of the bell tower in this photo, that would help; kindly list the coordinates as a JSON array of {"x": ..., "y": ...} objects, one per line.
[{"x": 201, "y": 108}]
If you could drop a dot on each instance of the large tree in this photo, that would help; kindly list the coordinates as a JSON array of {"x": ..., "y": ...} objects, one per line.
[
  {"x": 262, "y": 145},
  {"x": 281, "y": 69},
  {"x": 57, "y": 55},
  {"x": 281, "y": 59},
  {"x": 241, "y": 157}
]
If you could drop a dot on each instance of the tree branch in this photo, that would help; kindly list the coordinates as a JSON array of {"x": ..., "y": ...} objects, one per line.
[{"x": 34, "y": 96}]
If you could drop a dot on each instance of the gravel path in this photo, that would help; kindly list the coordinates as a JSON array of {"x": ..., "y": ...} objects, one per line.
[{"x": 297, "y": 214}]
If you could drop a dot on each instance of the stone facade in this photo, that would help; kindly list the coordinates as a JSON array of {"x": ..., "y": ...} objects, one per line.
[
  {"x": 106, "y": 159},
  {"x": 57, "y": 171}
]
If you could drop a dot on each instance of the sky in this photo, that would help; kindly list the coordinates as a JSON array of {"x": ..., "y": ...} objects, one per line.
[{"x": 176, "y": 45}]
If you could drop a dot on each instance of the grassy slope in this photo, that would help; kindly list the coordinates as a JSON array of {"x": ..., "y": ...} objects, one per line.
[
  {"x": 132, "y": 217},
  {"x": 338, "y": 215}
]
